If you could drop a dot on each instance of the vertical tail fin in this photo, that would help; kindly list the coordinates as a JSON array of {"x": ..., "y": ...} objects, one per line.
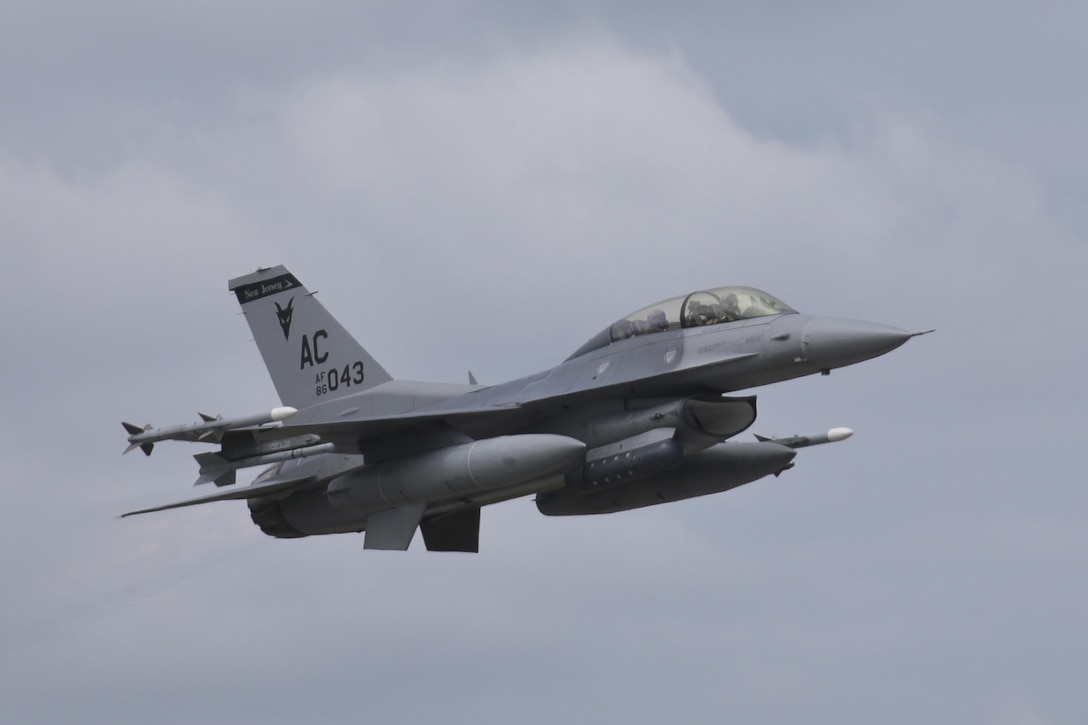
[{"x": 309, "y": 355}]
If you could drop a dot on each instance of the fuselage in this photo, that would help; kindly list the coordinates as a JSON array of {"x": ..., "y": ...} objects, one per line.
[
  {"x": 715, "y": 359},
  {"x": 607, "y": 395}
]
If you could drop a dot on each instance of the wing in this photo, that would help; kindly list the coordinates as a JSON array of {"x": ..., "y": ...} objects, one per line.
[{"x": 264, "y": 488}]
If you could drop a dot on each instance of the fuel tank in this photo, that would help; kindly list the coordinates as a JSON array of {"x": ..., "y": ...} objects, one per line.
[
  {"x": 463, "y": 471},
  {"x": 457, "y": 471}
]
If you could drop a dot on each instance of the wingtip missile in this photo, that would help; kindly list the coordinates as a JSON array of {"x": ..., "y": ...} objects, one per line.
[{"x": 208, "y": 429}]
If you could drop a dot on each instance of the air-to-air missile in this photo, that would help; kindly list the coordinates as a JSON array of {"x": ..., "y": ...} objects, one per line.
[
  {"x": 831, "y": 436},
  {"x": 209, "y": 429}
]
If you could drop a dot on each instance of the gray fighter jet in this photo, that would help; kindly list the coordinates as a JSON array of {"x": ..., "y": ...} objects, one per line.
[{"x": 637, "y": 416}]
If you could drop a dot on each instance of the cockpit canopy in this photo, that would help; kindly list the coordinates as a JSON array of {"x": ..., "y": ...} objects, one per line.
[{"x": 707, "y": 307}]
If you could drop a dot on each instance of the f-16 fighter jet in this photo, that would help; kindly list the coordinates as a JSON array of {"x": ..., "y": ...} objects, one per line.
[{"x": 639, "y": 415}]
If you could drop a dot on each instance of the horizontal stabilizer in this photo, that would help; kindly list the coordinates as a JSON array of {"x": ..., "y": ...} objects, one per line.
[{"x": 266, "y": 488}]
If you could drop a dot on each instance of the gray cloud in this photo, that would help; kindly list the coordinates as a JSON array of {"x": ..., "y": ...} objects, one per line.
[{"x": 485, "y": 188}]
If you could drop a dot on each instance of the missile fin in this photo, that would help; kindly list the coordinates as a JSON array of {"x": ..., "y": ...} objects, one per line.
[
  {"x": 145, "y": 447},
  {"x": 134, "y": 430}
]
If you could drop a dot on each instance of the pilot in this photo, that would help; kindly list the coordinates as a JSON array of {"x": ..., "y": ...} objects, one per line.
[
  {"x": 657, "y": 321},
  {"x": 700, "y": 314},
  {"x": 623, "y": 330},
  {"x": 730, "y": 309}
]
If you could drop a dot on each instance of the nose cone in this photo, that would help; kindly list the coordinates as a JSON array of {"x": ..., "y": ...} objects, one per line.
[{"x": 833, "y": 343}]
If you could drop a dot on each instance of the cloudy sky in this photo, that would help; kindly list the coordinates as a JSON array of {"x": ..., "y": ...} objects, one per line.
[{"x": 482, "y": 186}]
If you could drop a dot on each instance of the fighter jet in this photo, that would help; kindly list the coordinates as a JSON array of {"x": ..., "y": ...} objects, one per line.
[{"x": 639, "y": 415}]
